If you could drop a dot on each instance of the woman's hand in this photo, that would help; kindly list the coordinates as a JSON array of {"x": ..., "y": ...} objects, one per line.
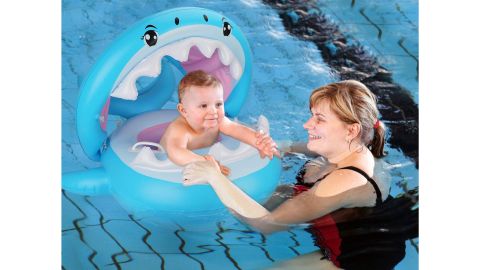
[
  {"x": 200, "y": 172},
  {"x": 266, "y": 146}
]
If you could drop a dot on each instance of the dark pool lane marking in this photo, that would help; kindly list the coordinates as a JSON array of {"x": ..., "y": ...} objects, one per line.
[
  {"x": 397, "y": 6},
  {"x": 400, "y": 43},
  {"x": 145, "y": 241},
  {"x": 219, "y": 233},
  {"x": 297, "y": 244},
  {"x": 114, "y": 256},
  {"x": 182, "y": 246},
  {"x": 79, "y": 230},
  {"x": 362, "y": 12},
  {"x": 247, "y": 235}
]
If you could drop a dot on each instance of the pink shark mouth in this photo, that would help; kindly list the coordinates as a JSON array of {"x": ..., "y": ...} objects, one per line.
[
  {"x": 213, "y": 66},
  {"x": 192, "y": 53}
]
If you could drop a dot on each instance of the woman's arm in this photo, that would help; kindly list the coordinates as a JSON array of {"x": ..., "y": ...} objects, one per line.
[
  {"x": 301, "y": 147},
  {"x": 300, "y": 209},
  {"x": 288, "y": 146},
  {"x": 230, "y": 195}
]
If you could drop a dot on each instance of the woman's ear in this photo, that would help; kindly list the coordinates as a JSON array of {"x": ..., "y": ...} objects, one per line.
[
  {"x": 181, "y": 110},
  {"x": 354, "y": 130}
]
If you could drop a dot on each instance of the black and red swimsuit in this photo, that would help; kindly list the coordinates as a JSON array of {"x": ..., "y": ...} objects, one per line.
[{"x": 360, "y": 237}]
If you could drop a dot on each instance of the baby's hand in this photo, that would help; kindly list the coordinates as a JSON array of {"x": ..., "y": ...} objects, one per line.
[
  {"x": 223, "y": 169},
  {"x": 265, "y": 145}
]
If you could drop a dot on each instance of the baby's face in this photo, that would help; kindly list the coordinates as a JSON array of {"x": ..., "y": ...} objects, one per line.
[{"x": 203, "y": 106}]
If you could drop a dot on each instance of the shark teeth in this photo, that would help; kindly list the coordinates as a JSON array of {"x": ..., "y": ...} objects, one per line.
[
  {"x": 151, "y": 66},
  {"x": 206, "y": 50},
  {"x": 225, "y": 56},
  {"x": 236, "y": 70}
]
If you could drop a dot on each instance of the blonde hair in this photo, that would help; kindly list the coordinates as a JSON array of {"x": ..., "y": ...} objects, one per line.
[
  {"x": 196, "y": 78},
  {"x": 353, "y": 102}
]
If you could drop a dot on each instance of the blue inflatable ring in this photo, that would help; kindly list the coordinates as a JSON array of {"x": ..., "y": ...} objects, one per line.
[{"x": 138, "y": 175}]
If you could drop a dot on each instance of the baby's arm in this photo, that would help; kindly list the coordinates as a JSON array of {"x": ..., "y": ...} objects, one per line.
[
  {"x": 179, "y": 154},
  {"x": 175, "y": 144},
  {"x": 263, "y": 142},
  {"x": 238, "y": 131},
  {"x": 182, "y": 156}
]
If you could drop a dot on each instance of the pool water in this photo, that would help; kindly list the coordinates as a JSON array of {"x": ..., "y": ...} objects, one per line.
[{"x": 98, "y": 234}]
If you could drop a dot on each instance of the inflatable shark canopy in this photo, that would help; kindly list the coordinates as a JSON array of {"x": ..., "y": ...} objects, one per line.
[{"x": 153, "y": 50}]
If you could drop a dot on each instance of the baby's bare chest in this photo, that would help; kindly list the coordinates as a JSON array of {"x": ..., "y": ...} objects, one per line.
[{"x": 205, "y": 139}]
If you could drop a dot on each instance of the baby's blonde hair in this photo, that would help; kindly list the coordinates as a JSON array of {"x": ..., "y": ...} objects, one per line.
[
  {"x": 196, "y": 78},
  {"x": 353, "y": 102}
]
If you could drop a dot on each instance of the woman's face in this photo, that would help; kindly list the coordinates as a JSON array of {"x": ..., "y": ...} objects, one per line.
[{"x": 327, "y": 134}]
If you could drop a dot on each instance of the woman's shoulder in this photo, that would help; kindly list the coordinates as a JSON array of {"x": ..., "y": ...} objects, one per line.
[
  {"x": 339, "y": 181},
  {"x": 343, "y": 179}
]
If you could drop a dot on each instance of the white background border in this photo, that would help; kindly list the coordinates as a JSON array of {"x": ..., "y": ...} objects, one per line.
[{"x": 30, "y": 113}]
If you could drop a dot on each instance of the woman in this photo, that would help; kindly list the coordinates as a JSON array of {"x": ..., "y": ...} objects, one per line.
[{"x": 344, "y": 129}]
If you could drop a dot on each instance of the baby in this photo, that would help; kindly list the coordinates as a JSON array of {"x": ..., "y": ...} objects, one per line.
[{"x": 202, "y": 118}]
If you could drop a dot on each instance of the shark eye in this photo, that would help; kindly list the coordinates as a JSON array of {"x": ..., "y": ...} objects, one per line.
[
  {"x": 150, "y": 37},
  {"x": 227, "y": 29}
]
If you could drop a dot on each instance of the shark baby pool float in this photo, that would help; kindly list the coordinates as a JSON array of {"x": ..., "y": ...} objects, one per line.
[{"x": 134, "y": 78}]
